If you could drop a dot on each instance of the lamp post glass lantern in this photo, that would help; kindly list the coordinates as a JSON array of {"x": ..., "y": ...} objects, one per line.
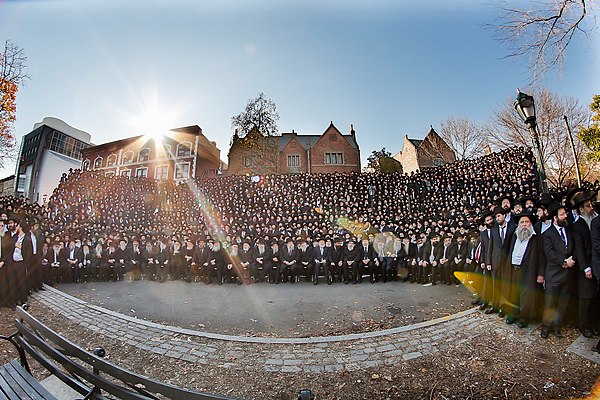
[{"x": 525, "y": 106}]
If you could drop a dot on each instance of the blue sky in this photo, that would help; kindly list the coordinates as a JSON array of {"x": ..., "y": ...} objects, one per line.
[{"x": 389, "y": 67}]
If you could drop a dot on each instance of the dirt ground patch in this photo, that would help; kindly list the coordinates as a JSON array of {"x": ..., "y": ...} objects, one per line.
[{"x": 496, "y": 363}]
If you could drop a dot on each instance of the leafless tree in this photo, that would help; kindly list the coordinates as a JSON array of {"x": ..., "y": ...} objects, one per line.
[
  {"x": 466, "y": 138},
  {"x": 507, "y": 129},
  {"x": 543, "y": 30}
]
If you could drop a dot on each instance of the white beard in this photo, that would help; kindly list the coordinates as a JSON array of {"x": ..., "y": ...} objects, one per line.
[{"x": 524, "y": 233}]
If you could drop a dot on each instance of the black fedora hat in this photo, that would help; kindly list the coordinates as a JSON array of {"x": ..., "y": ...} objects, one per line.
[{"x": 581, "y": 197}]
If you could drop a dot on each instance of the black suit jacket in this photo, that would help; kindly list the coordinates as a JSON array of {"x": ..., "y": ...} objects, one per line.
[
  {"x": 556, "y": 253},
  {"x": 595, "y": 237},
  {"x": 533, "y": 261},
  {"x": 586, "y": 288},
  {"x": 498, "y": 250},
  {"x": 325, "y": 256}
]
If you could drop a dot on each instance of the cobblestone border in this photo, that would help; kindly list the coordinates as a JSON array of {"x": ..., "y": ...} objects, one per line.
[
  {"x": 312, "y": 355},
  {"x": 263, "y": 340}
]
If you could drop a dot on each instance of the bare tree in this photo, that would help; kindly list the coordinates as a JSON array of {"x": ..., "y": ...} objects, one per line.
[
  {"x": 260, "y": 113},
  {"x": 13, "y": 74},
  {"x": 543, "y": 30},
  {"x": 466, "y": 138},
  {"x": 507, "y": 129}
]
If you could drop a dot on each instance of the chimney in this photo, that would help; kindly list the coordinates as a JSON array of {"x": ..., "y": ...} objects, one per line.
[{"x": 352, "y": 132}]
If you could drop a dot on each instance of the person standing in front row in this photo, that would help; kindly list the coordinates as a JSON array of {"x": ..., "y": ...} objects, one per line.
[{"x": 559, "y": 247}]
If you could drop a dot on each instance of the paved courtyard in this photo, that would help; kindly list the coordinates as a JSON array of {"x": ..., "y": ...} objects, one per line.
[{"x": 312, "y": 354}]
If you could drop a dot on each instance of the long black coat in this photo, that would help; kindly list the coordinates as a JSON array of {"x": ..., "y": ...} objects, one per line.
[
  {"x": 586, "y": 288},
  {"x": 595, "y": 235},
  {"x": 532, "y": 263}
]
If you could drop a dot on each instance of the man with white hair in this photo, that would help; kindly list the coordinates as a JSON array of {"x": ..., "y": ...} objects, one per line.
[{"x": 524, "y": 269}]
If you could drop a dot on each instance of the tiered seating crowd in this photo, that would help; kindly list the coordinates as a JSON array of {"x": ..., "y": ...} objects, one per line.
[{"x": 331, "y": 228}]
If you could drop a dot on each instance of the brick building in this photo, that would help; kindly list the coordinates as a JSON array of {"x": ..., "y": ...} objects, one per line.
[
  {"x": 293, "y": 153},
  {"x": 429, "y": 152},
  {"x": 183, "y": 153}
]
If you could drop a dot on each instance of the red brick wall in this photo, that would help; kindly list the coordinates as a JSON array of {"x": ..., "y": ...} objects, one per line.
[
  {"x": 293, "y": 147},
  {"x": 326, "y": 144}
]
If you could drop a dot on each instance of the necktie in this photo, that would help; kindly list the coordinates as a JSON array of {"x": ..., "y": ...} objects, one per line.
[
  {"x": 502, "y": 234},
  {"x": 563, "y": 237}
]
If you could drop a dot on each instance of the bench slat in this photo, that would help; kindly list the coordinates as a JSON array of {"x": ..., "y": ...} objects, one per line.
[
  {"x": 77, "y": 369},
  {"x": 16, "y": 391},
  {"x": 44, "y": 362},
  {"x": 27, "y": 382},
  {"x": 113, "y": 370},
  {"x": 6, "y": 387}
]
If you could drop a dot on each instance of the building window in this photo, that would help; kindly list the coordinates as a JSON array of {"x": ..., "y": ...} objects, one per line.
[
  {"x": 110, "y": 174},
  {"x": 111, "y": 160},
  {"x": 126, "y": 172},
  {"x": 184, "y": 149},
  {"x": 293, "y": 160},
  {"x": 127, "y": 157},
  {"x": 247, "y": 162},
  {"x": 141, "y": 172},
  {"x": 86, "y": 164},
  {"x": 161, "y": 172},
  {"x": 438, "y": 161},
  {"x": 98, "y": 162},
  {"x": 64, "y": 144},
  {"x": 182, "y": 170},
  {"x": 332, "y": 137},
  {"x": 334, "y": 158},
  {"x": 168, "y": 150},
  {"x": 144, "y": 155}
]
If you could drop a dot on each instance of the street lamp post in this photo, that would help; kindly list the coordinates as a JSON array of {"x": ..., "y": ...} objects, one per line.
[{"x": 525, "y": 106}]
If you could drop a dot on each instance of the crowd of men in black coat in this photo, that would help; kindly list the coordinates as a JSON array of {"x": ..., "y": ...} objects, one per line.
[{"x": 423, "y": 227}]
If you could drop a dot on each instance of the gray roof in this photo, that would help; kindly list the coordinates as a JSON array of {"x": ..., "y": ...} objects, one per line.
[
  {"x": 308, "y": 141},
  {"x": 416, "y": 142}
]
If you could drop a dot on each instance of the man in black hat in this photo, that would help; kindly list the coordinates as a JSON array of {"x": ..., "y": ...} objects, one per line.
[
  {"x": 350, "y": 262},
  {"x": 559, "y": 247},
  {"x": 587, "y": 285},
  {"x": 485, "y": 241},
  {"x": 262, "y": 262},
  {"x": 501, "y": 233},
  {"x": 337, "y": 259},
  {"x": 525, "y": 269},
  {"x": 322, "y": 259},
  {"x": 21, "y": 256},
  {"x": 289, "y": 261}
]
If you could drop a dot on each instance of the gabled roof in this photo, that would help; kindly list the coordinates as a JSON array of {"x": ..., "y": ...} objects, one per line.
[{"x": 308, "y": 141}]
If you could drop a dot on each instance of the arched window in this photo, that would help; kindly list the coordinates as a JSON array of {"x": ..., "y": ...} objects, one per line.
[
  {"x": 144, "y": 154},
  {"x": 111, "y": 160},
  {"x": 86, "y": 164},
  {"x": 184, "y": 149},
  {"x": 98, "y": 162},
  {"x": 127, "y": 157}
]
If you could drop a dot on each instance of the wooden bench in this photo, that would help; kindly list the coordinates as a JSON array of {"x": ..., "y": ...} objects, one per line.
[{"x": 86, "y": 373}]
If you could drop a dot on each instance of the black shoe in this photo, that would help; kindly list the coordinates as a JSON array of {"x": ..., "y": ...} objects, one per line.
[
  {"x": 347, "y": 281},
  {"x": 522, "y": 324},
  {"x": 490, "y": 310},
  {"x": 475, "y": 302},
  {"x": 482, "y": 306},
  {"x": 587, "y": 332},
  {"x": 594, "y": 330},
  {"x": 558, "y": 333},
  {"x": 510, "y": 320},
  {"x": 433, "y": 283},
  {"x": 501, "y": 314},
  {"x": 316, "y": 282},
  {"x": 545, "y": 332},
  {"x": 329, "y": 282}
]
